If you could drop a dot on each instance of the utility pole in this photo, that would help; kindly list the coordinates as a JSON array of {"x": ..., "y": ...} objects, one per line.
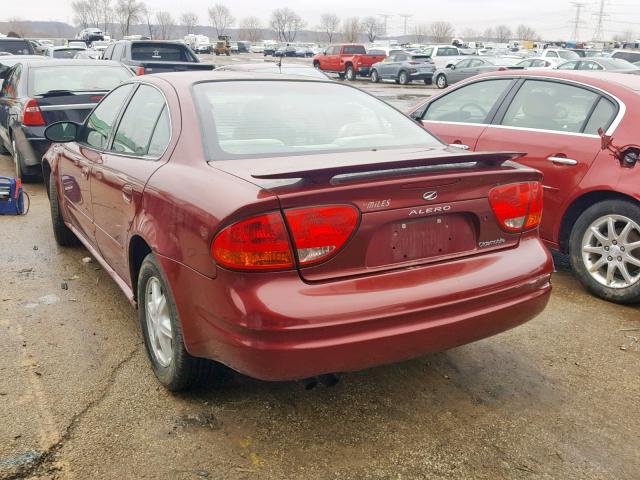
[
  {"x": 577, "y": 23},
  {"x": 385, "y": 19},
  {"x": 598, "y": 34},
  {"x": 406, "y": 18}
]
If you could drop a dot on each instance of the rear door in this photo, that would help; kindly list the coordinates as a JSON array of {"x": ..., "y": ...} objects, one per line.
[
  {"x": 389, "y": 67},
  {"x": 556, "y": 123},
  {"x": 135, "y": 152},
  {"x": 460, "y": 116}
]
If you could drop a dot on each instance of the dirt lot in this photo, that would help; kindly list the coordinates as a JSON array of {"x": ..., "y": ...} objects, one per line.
[{"x": 556, "y": 398}]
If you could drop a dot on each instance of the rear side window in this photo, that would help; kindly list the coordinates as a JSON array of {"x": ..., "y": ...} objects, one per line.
[
  {"x": 469, "y": 104},
  {"x": 139, "y": 120},
  {"x": 548, "y": 105},
  {"x": 567, "y": 66},
  {"x": 161, "y": 135},
  {"x": 601, "y": 117},
  {"x": 97, "y": 128},
  {"x": 162, "y": 52}
]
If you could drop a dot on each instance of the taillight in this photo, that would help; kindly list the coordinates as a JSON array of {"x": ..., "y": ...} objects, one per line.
[
  {"x": 257, "y": 243},
  {"x": 414, "y": 63},
  {"x": 140, "y": 70},
  {"x": 319, "y": 232},
  {"x": 31, "y": 115},
  {"x": 517, "y": 206}
]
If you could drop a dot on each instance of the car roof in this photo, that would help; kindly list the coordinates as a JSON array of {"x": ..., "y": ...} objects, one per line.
[
  {"x": 186, "y": 79},
  {"x": 599, "y": 79},
  {"x": 12, "y": 39},
  {"x": 61, "y": 62}
]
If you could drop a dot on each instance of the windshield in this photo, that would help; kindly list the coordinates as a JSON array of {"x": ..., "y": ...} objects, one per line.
[
  {"x": 16, "y": 47},
  {"x": 568, "y": 55},
  {"x": 258, "y": 118},
  {"x": 162, "y": 52},
  {"x": 75, "y": 78}
]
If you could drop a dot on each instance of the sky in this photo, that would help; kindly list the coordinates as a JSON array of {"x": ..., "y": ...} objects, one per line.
[{"x": 550, "y": 18}]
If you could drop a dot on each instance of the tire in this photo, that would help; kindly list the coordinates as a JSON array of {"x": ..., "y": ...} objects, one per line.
[
  {"x": 403, "y": 78},
  {"x": 608, "y": 281},
  {"x": 316, "y": 65},
  {"x": 441, "y": 81},
  {"x": 174, "y": 368},
  {"x": 428, "y": 81},
  {"x": 350, "y": 73},
  {"x": 375, "y": 76},
  {"x": 63, "y": 234}
]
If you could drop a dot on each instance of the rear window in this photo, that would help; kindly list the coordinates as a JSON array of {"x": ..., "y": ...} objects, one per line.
[
  {"x": 75, "y": 78},
  {"x": 15, "y": 47},
  {"x": 67, "y": 52},
  {"x": 628, "y": 56},
  {"x": 568, "y": 55},
  {"x": 159, "y": 53},
  {"x": 354, "y": 50},
  {"x": 268, "y": 118}
]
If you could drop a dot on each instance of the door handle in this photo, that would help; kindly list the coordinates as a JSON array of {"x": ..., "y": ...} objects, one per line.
[
  {"x": 459, "y": 145},
  {"x": 85, "y": 172},
  {"x": 127, "y": 192},
  {"x": 562, "y": 160}
]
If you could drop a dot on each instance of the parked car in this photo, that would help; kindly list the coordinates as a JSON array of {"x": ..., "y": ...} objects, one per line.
[
  {"x": 275, "y": 67},
  {"x": 88, "y": 54},
  {"x": 469, "y": 67},
  {"x": 348, "y": 61},
  {"x": 63, "y": 52},
  {"x": 443, "y": 55},
  {"x": 257, "y": 48},
  {"x": 80, "y": 45},
  {"x": 403, "y": 68},
  {"x": 8, "y": 61},
  {"x": 154, "y": 56},
  {"x": 632, "y": 56},
  {"x": 558, "y": 54},
  {"x": 100, "y": 45},
  {"x": 16, "y": 46},
  {"x": 238, "y": 214},
  {"x": 592, "y": 200},
  {"x": 91, "y": 34},
  {"x": 536, "y": 63},
  {"x": 608, "y": 64},
  {"x": 269, "y": 49},
  {"x": 39, "y": 92}
]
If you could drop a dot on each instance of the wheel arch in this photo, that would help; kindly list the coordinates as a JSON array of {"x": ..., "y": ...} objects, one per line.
[
  {"x": 139, "y": 248},
  {"x": 579, "y": 205}
]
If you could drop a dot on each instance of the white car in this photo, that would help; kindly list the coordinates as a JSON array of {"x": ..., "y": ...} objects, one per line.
[
  {"x": 443, "y": 55},
  {"x": 559, "y": 54},
  {"x": 80, "y": 45},
  {"x": 538, "y": 63},
  {"x": 100, "y": 45},
  {"x": 256, "y": 48}
]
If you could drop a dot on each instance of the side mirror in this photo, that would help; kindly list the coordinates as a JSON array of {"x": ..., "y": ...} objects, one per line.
[
  {"x": 451, "y": 66},
  {"x": 62, "y": 132}
]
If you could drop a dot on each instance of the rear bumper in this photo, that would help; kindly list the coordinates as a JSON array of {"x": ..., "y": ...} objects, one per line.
[
  {"x": 364, "y": 71},
  {"x": 32, "y": 144},
  {"x": 276, "y": 327},
  {"x": 421, "y": 76}
]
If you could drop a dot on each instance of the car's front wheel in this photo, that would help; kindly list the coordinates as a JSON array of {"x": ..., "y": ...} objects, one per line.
[
  {"x": 375, "y": 77},
  {"x": 441, "y": 81},
  {"x": 605, "y": 250},
  {"x": 62, "y": 234},
  {"x": 174, "y": 367}
]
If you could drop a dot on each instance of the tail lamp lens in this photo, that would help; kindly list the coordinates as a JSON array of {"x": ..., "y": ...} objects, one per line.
[
  {"x": 140, "y": 70},
  {"x": 319, "y": 232},
  {"x": 262, "y": 242},
  {"x": 257, "y": 243},
  {"x": 31, "y": 115},
  {"x": 517, "y": 206}
]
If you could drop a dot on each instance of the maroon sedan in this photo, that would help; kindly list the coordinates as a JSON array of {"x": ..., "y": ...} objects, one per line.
[
  {"x": 291, "y": 227},
  {"x": 591, "y": 193}
]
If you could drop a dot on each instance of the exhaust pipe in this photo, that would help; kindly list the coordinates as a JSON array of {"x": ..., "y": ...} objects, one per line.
[
  {"x": 309, "y": 383},
  {"x": 329, "y": 379}
]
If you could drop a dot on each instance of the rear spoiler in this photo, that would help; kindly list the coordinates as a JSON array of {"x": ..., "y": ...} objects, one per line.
[{"x": 325, "y": 172}]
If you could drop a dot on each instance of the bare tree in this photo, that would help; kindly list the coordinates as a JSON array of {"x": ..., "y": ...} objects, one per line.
[
  {"x": 441, "y": 32},
  {"x": 220, "y": 18},
  {"x": 18, "y": 28},
  {"x": 524, "y": 32},
  {"x": 286, "y": 24},
  {"x": 488, "y": 35},
  {"x": 420, "y": 32},
  {"x": 351, "y": 28},
  {"x": 251, "y": 29},
  {"x": 372, "y": 28},
  {"x": 503, "y": 34},
  {"x": 147, "y": 17},
  {"x": 80, "y": 10},
  {"x": 189, "y": 21},
  {"x": 128, "y": 13},
  {"x": 329, "y": 24},
  {"x": 106, "y": 14},
  {"x": 165, "y": 23}
]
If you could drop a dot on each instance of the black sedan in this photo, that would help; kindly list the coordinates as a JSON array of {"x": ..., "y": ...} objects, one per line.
[{"x": 37, "y": 93}]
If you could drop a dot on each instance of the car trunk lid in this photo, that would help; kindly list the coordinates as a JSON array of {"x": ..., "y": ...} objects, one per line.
[{"x": 65, "y": 105}]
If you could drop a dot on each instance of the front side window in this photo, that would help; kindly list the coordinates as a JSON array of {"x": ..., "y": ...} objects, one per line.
[
  {"x": 258, "y": 118},
  {"x": 469, "y": 104},
  {"x": 568, "y": 66},
  {"x": 549, "y": 105},
  {"x": 589, "y": 66},
  {"x": 463, "y": 64},
  {"x": 138, "y": 122},
  {"x": 97, "y": 128}
]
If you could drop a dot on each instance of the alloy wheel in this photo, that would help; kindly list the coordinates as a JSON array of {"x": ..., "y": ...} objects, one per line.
[
  {"x": 159, "y": 323},
  {"x": 611, "y": 251},
  {"x": 442, "y": 81}
]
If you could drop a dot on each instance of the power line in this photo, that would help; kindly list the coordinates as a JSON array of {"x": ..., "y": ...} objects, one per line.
[
  {"x": 598, "y": 34},
  {"x": 577, "y": 23},
  {"x": 406, "y": 18},
  {"x": 385, "y": 17}
]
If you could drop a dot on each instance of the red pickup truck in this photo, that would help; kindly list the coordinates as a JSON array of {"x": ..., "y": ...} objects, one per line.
[{"x": 347, "y": 60}]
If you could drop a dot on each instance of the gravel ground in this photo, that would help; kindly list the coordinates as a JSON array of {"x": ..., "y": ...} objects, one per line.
[{"x": 556, "y": 398}]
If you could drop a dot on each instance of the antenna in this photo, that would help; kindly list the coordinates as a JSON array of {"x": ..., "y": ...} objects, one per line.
[
  {"x": 406, "y": 18},
  {"x": 598, "y": 34},
  {"x": 577, "y": 23}
]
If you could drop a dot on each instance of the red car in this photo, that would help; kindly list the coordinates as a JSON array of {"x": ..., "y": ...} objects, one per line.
[
  {"x": 591, "y": 190},
  {"x": 348, "y": 61},
  {"x": 288, "y": 238}
]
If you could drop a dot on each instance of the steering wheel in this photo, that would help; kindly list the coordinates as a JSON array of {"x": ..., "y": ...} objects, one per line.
[{"x": 482, "y": 111}]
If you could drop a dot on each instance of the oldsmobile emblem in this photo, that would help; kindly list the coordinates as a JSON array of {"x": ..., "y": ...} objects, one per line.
[{"x": 430, "y": 195}]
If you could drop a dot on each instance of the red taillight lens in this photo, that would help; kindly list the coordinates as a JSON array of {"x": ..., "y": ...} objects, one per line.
[
  {"x": 257, "y": 243},
  {"x": 319, "y": 232},
  {"x": 31, "y": 115},
  {"x": 140, "y": 71},
  {"x": 517, "y": 206}
]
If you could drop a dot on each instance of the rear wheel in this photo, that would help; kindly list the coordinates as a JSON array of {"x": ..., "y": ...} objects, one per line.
[
  {"x": 403, "y": 78},
  {"x": 63, "y": 235},
  {"x": 350, "y": 73},
  {"x": 375, "y": 77},
  {"x": 162, "y": 331},
  {"x": 428, "y": 81},
  {"x": 441, "y": 81},
  {"x": 605, "y": 250}
]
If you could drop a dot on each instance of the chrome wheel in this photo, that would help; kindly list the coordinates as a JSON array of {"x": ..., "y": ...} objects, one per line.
[
  {"x": 159, "y": 323},
  {"x": 441, "y": 81},
  {"x": 611, "y": 251}
]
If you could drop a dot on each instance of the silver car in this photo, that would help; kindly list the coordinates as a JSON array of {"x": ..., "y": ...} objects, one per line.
[
  {"x": 463, "y": 69},
  {"x": 404, "y": 67}
]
